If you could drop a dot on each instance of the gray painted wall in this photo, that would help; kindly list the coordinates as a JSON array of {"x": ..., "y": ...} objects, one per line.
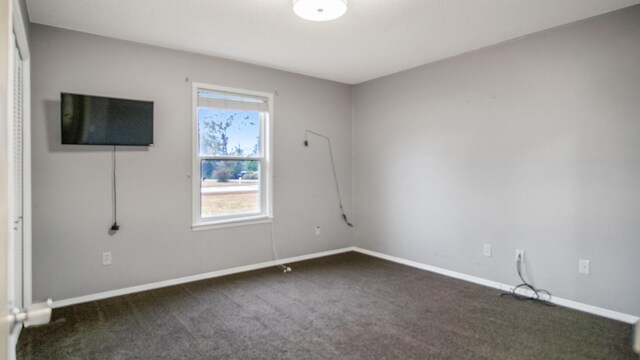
[
  {"x": 71, "y": 184},
  {"x": 530, "y": 144}
]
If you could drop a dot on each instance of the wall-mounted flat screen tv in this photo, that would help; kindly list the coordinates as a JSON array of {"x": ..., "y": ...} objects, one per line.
[{"x": 96, "y": 120}]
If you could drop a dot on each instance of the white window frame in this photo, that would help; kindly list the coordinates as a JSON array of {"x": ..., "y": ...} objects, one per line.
[{"x": 266, "y": 165}]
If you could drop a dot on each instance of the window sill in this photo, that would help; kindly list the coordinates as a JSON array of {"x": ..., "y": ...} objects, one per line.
[{"x": 221, "y": 224}]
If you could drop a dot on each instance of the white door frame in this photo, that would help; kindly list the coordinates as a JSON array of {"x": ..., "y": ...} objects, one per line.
[
  {"x": 18, "y": 39},
  {"x": 5, "y": 30},
  {"x": 19, "y": 29}
]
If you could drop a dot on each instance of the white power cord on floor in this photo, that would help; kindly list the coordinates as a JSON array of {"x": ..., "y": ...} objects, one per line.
[{"x": 285, "y": 269}]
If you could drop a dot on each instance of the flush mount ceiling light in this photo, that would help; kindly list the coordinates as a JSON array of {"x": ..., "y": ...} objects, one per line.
[{"x": 320, "y": 10}]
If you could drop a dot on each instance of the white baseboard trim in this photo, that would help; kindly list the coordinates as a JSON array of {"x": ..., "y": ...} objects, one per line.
[
  {"x": 187, "y": 279},
  {"x": 630, "y": 319}
]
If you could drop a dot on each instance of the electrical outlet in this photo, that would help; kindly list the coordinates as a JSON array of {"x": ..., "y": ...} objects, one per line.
[
  {"x": 584, "y": 267},
  {"x": 318, "y": 230},
  {"x": 487, "y": 250},
  {"x": 106, "y": 258},
  {"x": 520, "y": 255}
]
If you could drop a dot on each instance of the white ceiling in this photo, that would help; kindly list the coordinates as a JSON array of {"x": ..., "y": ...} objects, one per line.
[{"x": 374, "y": 38}]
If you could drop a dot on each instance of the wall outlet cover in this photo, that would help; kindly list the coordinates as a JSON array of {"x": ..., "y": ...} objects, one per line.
[
  {"x": 487, "y": 250},
  {"x": 584, "y": 266},
  {"x": 106, "y": 258}
]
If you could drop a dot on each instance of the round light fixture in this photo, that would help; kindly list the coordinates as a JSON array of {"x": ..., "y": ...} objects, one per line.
[{"x": 320, "y": 10}]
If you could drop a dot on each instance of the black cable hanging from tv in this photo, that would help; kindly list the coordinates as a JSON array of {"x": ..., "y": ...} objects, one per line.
[
  {"x": 115, "y": 227},
  {"x": 333, "y": 167}
]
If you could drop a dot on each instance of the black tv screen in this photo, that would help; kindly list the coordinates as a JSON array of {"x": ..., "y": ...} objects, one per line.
[{"x": 96, "y": 120}]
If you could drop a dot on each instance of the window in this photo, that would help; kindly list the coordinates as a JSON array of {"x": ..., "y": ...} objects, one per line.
[{"x": 231, "y": 156}]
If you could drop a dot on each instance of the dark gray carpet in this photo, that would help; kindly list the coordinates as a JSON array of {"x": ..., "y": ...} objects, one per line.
[{"x": 348, "y": 306}]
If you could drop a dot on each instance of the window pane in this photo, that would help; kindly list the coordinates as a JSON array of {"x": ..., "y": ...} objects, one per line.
[
  {"x": 229, "y": 187},
  {"x": 229, "y": 132}
]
